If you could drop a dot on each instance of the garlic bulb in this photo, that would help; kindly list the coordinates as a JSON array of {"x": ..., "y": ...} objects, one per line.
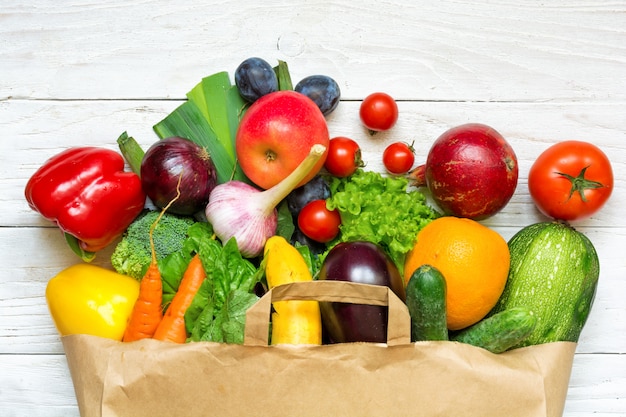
[{"x": 239, "y": 210}]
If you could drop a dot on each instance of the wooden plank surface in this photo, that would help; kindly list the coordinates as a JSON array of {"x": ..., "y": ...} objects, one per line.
[
  {"x": 80, "y": 73},
  {"x": 427, "y": 50}
]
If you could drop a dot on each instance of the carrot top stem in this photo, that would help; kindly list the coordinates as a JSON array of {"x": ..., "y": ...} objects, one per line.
[{"x": 152, "y": 250}]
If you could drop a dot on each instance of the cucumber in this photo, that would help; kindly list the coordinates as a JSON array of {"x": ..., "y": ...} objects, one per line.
[
  {"x": 426, "y": 300},
  {"x": 554, "y": 273},
  {"x": 500, "y": 332}
]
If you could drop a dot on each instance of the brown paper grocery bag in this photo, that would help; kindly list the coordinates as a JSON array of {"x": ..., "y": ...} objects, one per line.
[{"x": 152, "y": 378}]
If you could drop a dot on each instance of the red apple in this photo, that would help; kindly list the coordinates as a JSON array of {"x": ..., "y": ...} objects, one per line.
[{"x": 276, "y": 134}]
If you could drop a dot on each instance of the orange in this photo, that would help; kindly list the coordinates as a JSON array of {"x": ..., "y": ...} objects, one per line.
[{"x": 474, "y": 261}]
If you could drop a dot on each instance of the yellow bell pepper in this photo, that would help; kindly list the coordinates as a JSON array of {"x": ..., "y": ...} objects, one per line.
[
  {"x": 88, "y": 299},
  {"x": 293, "y": 321}
]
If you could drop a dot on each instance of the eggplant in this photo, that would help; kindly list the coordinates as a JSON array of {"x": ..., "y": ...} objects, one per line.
[{"x": 366, "y": 263}]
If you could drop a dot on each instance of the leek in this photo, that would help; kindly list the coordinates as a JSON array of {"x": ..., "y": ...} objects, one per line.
[
  {"x": 210, "y": 117},
  {"x": 132, "y": 152}
]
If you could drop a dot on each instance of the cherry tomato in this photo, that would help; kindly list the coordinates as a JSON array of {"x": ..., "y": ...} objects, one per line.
[
  {"x": 344, "y": 157},
  {"x": 571, "y": 180},
  {"x": 319, "y": 223},
  {"x": 399, "y": 157},
  {"x": 378, "y": 112}
]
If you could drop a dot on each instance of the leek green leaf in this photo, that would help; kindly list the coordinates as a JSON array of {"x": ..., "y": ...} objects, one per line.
[
  {"x": 188, "y": 122},
  {"x": 210, "y": 117},
  {"x": 210, "y": 97}
]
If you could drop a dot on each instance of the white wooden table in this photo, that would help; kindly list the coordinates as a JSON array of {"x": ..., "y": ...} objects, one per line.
[{"x": 80, "y": 73}]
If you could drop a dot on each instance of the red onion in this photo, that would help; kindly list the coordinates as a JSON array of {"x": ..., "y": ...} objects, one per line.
[
  {"x": 161, "y": 170},
  {"x": 239, "y": 210}
]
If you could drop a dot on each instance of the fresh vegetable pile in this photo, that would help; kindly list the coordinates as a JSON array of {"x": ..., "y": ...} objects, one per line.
[{"x": 249, "y": 191}]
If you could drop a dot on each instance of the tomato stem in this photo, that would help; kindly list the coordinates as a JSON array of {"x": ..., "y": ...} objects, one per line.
[
  {"x": 580, "y": 183},
  {"x": 358, "y": 159}
]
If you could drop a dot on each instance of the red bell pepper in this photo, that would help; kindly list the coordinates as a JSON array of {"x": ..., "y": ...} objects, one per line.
[{"x": 87, "y": 193}]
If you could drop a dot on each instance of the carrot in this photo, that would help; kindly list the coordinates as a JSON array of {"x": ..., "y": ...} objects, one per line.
[
  {"x": 172, "y": 327},
  {"x": 147, "y": 312}
]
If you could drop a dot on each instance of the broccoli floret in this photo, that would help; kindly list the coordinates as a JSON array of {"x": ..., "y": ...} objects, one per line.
[{"x": 132, "y": 255}]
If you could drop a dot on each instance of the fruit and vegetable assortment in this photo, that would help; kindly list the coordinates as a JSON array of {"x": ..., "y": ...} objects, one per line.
[{"x": 250, "y": 191}]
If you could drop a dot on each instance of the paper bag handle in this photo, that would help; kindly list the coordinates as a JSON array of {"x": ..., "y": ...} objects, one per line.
[{"x": 398, "y": 318}]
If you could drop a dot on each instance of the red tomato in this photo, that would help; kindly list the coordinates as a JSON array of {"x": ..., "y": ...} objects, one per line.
[
  {"x": 399, "y": 157},
  {"x": 343, "y": 158},
  {"x": 319, "y": 223},
  {"x": 379, "y": 112},
  {"x": 570, "y": 180}
]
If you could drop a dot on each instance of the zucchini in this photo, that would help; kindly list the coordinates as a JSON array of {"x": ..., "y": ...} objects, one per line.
[
  {"x": 554, "y": 273},
  {"x": 426, "y": 300},
  {"x": 500, "y": 332}
]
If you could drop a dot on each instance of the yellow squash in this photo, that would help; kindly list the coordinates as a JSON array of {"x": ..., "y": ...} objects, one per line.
[
  {"x": 293, "y": 322},
  {"x": 88, "y": 299}
]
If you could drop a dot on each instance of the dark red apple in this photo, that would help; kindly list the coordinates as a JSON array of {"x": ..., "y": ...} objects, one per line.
[
  {"x": 471, "y": 171},
  {"x": 276, "y": 134}
]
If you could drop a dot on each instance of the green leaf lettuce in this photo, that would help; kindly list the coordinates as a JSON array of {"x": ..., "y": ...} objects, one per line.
[{"x": 380, "y": 209}]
